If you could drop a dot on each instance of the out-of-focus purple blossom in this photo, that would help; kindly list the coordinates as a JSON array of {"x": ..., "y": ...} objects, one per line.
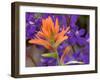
[
  {"x": 29, "y": 17},
  {"x": 30, "y": 31},
  {"x": 48, "y": 62},
  {"x": 76, "y": 34},
  {"x": 63, "y": 20},
  {"x": 73, "y": 20},
  {"x": 76, "y": 37},
  {"x": 32, "y": 25},
  {"x": 83, "y": 53}
]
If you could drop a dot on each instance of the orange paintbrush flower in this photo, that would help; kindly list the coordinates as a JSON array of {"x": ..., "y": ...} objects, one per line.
[{"x": 49, "y": 36}]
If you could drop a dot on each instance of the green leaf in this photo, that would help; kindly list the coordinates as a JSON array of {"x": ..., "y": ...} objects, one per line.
[{"x": 50, "y": 55}]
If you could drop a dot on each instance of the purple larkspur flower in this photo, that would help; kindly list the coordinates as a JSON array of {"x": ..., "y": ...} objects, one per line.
[
  {"x": 73, "y": 20},
  {"x": 32, "y": 25},
  {"x": 82, "y": 54},
  {"x": 62, "y": 20},
  {"x": 48, "y": 61},
  {"x": 77, "y": 37},
  {"x": 29, "y": 17},
  {"x": 30, "y": 31}
]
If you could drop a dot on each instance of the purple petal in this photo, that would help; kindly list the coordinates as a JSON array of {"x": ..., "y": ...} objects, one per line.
[
  {"x": 81, "y": 41},
  {"x": 74, "y": 19},
  {"x": 81, "y": 32}
]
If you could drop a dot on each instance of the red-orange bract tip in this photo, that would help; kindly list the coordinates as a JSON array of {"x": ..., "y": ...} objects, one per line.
[{"x": 49, "y": 32}]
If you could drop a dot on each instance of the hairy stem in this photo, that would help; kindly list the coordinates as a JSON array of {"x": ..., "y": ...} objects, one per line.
[{"x": 58, "y": 59}]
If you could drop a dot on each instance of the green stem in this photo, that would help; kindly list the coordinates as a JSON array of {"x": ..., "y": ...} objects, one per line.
[{"x": 58, "y": 59}]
